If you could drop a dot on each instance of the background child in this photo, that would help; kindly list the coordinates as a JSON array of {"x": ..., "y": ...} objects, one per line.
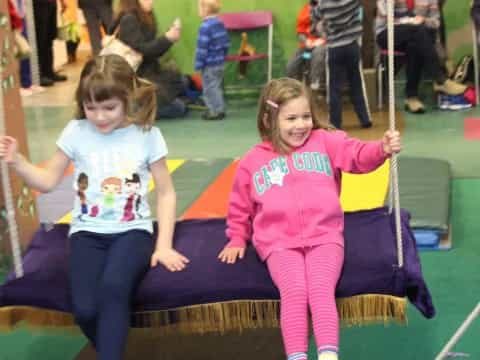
[
  {"x": 111, "y": 141},
  {"x": 342, "y": 25},
  {"x": 212, "y": 47},
  {"x": 309, "y": 44},
  {"x": 285, "y": 198}
]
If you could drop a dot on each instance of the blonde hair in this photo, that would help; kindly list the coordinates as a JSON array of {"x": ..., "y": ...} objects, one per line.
[
  {"x": 210, "y": 7},
  {"x": 274, "y": 94},
  {"x": 109, "y": 76}
]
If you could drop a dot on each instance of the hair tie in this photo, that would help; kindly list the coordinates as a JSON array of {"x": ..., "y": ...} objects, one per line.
[{"x": 272, "y": 104}]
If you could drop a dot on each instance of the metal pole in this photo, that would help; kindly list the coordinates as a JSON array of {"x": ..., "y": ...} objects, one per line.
[
  {"x": 475, "y": 62},
  {"x": 461, "y": 330}
]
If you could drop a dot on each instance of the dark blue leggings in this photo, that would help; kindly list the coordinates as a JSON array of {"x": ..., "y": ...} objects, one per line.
[{"x": 105, "y": 270}]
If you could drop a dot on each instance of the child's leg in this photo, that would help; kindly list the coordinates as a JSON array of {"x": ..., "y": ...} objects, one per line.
[
  {"x": 87, "y": 260},
  {"x": 212, "y": 89},
  {"x": 323, "y": 268},
  {"x": 317, "y": 70},
  {"x": 287, "y": 268},
  {"x": 358, "y": 92},
  {"x": 128, "y": 260},
  {"x": 294, "y": 67},
  {"x": 334, "y": 76},
  {"x": 219, "y": 99}
]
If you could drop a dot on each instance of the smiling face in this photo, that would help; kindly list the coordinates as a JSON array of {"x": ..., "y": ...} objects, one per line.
[
  {"x": 295, "y": 122},
  {"x": 106, "y": 115}
]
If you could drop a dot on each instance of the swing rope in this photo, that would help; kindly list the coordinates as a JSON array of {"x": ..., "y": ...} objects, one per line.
[
  {"x": 394, "y": 194},
  {"x": 6, "y": 186}
]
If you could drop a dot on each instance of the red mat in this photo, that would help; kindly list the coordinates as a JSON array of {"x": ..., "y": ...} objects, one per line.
[{"x": 472, "y": 128}]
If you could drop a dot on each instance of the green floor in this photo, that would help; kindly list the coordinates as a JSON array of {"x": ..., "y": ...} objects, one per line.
[{"x": 452, "y": 276}]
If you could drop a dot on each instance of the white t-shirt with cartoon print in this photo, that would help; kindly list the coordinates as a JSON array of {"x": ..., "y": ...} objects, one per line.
[{"x": 112, "y": 175}]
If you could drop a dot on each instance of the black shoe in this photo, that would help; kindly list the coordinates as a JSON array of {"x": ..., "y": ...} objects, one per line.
[
  {"x": 46, "y": 81},
  {"x": 58, "y": 77},
  {"x": 210, "y": 116},
  {"x": 366, "y": 125}
]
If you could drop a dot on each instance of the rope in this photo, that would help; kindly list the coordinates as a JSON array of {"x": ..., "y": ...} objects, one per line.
[
  {"x": 32, "y": 40},
  {"x": 394, "y": 193},
  {"x": 6, "y": 186}
]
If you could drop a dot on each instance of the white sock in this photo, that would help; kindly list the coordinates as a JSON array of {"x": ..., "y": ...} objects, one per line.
[{"x": 327, "y": 355}]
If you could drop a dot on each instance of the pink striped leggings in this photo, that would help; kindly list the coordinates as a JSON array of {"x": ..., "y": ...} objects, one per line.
[{"x": 307, "y": 277}]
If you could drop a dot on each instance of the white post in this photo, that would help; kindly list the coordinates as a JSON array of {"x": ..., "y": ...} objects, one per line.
[
  {"x": 461, "y": 330},
  {"x": 475, "y": 61},
  {"x": 270, "y": 50}
]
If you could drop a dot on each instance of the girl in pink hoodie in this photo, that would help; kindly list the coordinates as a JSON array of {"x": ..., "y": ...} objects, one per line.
[{"x": 285, "y": 198}]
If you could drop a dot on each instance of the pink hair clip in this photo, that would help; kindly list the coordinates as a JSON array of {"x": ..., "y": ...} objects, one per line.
[{"x": 272, "y": 104}]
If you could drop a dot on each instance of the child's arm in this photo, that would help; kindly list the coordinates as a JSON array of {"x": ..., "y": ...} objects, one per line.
[
  {"x": 44, "y": 178},
  {"x": 317, "y": 24},
  {"x": 356, "y": 156},
  {"x": 131, "y": 34},
  {"x": 239, "y": 218},
  {"x": 227, "y": 45},
  {"x": 202, "y": 46},
  {"x": 166, "y": 205}
]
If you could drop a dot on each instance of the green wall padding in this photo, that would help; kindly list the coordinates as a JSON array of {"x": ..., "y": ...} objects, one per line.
[
  {"x": 457, "y": 17},
  {"x": 284, "y": 31}
]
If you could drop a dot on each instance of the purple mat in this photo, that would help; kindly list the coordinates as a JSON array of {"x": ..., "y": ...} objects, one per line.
[{"x": 370, "y": 268}]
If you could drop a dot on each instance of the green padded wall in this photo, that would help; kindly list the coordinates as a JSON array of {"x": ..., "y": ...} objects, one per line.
[
  {"x": 285, "y": 13},
  {"x": 182, "y": 54}
]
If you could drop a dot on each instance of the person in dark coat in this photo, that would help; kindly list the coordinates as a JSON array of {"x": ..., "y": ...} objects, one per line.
[
  {"x": 138, "y": 29},
  {"x": 97, "y": 13}
]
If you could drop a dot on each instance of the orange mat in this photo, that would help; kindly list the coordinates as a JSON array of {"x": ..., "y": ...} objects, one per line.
[{"x": 214, "y": 200}]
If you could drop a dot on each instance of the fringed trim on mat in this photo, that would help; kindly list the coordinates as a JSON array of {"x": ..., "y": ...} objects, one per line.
[
  {"x": 215, "y": 317},
  {"x": 371, "y": 309},
  {"x": 219, "y": 317},
  {"x": 12, "y": 316}
]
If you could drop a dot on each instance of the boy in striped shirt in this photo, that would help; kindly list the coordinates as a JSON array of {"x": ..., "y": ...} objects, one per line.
[
  {"x": 212, "y": 47},
  {"x": 342, "y": 25}
]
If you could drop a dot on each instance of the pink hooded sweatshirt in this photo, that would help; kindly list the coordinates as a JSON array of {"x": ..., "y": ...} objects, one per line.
[{"x": 290, "y": 201}]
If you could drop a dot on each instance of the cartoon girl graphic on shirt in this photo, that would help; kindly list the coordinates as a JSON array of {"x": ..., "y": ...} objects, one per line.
[
  {"x": 109, "y": 187},
  {"x": 82, "y": 185},
  {"x": 131, "y": 187}
]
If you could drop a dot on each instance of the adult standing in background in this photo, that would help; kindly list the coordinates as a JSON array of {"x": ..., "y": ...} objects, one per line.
[
  {"x": 45, "y": 14},
  {"x": 97, "y": 13}
]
